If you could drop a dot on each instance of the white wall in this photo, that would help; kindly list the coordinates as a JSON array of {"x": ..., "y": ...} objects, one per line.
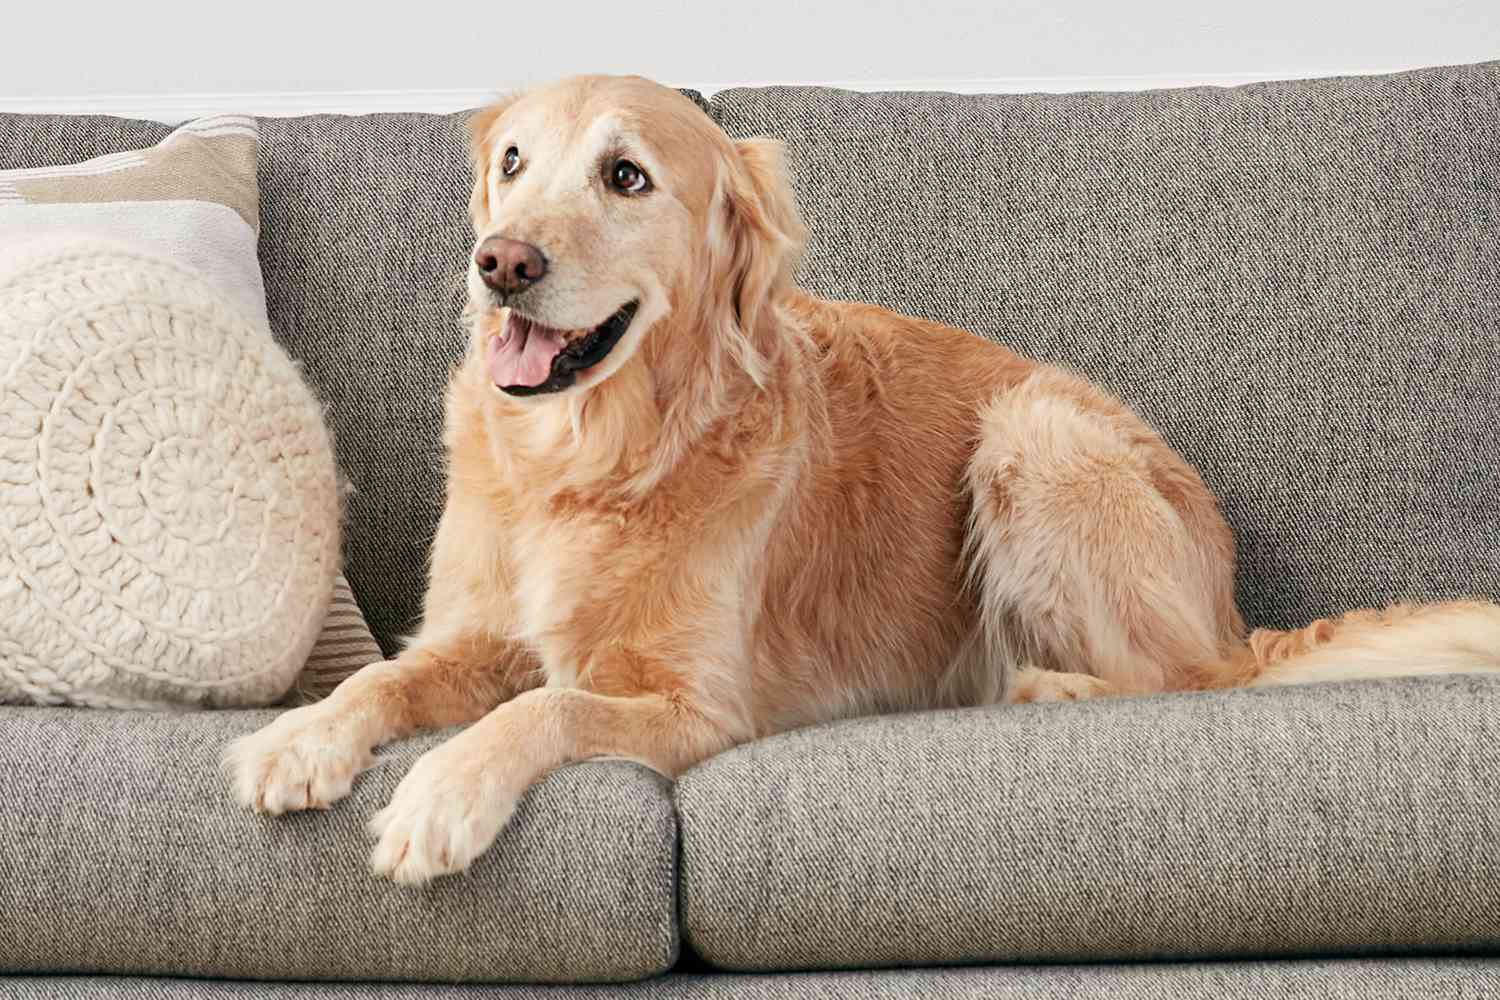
[{"x": 283, "y": 55}]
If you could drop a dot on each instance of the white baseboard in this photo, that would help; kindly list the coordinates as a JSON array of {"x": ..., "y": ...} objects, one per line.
[{"x": 181, "y": 107}]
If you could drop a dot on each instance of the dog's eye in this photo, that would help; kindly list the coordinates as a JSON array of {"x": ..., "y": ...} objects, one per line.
[
  {"x": 511, "y": 162},
  {"x": 628, "y": 177}
]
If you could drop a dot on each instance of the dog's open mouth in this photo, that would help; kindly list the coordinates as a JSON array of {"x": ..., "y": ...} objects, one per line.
[{"x": 529, "y": 358}]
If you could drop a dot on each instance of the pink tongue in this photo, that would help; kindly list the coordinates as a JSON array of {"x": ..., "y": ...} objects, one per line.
[{"x": 525, "y": 356}]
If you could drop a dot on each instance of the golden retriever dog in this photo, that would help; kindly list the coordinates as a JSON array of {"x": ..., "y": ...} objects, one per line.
[{"x": 689, "y": 505}]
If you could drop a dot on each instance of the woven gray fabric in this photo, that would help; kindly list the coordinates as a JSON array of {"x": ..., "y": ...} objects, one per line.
[
  {"x": 1451, "y": 979},
  {"x": 1326, "y": 820},
  {"x": 123, "y": 854},
  {"x": 52, "y": 140},
  {"x": 364, "y": 237},
  {"x": 1296, "y": 282}
]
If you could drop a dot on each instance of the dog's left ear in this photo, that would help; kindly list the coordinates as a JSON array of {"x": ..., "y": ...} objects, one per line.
[
  {"x": 762, "y": 241},
  {"x": 480, "y": 124}
]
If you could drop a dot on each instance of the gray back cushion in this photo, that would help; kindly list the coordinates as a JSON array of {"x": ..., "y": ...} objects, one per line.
[
  {"x": 54, "y": 140},
  {"x": 364, "y": 238},
  {"x": 1297, "y": 283}
]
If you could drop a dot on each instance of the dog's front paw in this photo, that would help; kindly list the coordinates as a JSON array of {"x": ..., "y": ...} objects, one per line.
[
  {"x": 306, "y": 759},
  {"x": 444, "y": 814}
]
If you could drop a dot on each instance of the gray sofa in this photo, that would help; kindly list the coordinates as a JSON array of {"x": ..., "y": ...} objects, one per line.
[{"x": 1299, "y": 283}]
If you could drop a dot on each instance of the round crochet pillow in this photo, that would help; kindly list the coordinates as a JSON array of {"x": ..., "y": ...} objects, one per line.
[{"x": 169, "y": 508}]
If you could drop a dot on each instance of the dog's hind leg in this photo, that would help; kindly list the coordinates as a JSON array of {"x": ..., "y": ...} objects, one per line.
[{"x": 1096, "y": 550}]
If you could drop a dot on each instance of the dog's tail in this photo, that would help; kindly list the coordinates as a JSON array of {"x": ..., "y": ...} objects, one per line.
[{"x": 1457, "y": 637}]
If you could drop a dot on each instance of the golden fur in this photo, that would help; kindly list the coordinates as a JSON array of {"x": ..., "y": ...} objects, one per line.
[{"x": 763, "y": 510}]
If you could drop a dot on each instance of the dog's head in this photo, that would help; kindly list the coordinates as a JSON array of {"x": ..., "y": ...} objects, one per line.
[{"x": 607, "y": 207}]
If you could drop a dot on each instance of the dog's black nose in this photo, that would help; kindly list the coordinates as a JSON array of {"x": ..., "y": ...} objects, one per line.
[{"x": 508, "y": 266}]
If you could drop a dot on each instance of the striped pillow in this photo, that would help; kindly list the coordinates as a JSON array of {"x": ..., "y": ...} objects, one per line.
[
  {"x": 193, "y": 198},
  {"x": 344, "y": 646}
]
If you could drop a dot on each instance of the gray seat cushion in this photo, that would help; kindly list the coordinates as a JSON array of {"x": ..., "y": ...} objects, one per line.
[
  {"x": 1326, "y": 820},
  {"x": 1296, "y": 282},
  {"x": 1370, "y": 979},
  {"x": 123, "y": 855}
]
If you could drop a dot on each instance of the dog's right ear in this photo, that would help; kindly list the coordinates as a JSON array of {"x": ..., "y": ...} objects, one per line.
[{"x": 481, "y": 125}]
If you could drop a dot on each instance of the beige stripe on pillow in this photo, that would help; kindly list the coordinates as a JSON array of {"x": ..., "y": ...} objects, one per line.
[
  {"x": 192, "y": 198},
  {"x": 344, "y": 646},
  {"x": 216, "y": 165}
]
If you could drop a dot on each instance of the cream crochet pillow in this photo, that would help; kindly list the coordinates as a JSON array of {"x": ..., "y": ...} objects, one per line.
[{"x": 169, "y": 514}]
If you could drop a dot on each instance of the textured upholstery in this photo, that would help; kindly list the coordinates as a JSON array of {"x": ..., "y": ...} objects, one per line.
[
  {"x": 122, "y": 854},
  {"x": 1296, "y": 282},
  {"x": 364, "y": 237},
  {"x": 50, "y": 140},
  {"x": 1324, "y": 820},
  {"x": 1452, "y": 979}
]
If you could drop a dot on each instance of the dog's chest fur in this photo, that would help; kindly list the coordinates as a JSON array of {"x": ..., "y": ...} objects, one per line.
[{"x": 595, "y": 567}]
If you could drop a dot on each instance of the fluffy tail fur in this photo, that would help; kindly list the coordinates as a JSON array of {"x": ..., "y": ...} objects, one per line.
[{"x": 1458, "y": 637}]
